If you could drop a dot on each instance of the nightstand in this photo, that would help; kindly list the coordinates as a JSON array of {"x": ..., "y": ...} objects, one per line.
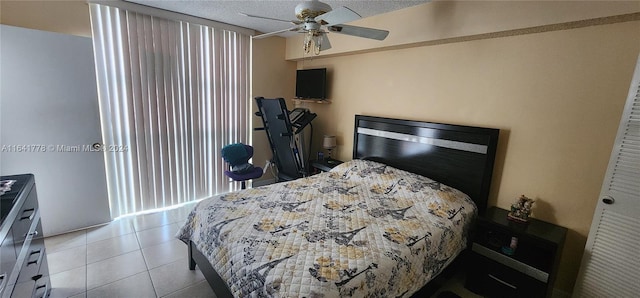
[
  {"x": 325, "y": 165},
  {"x": 527, "y": 271}
]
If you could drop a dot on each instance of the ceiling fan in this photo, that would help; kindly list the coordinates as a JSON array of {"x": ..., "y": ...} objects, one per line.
[{"x": 316, "y": 19}]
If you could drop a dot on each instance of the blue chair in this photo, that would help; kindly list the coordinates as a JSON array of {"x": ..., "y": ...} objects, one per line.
[{"x": 237, "y": 156}]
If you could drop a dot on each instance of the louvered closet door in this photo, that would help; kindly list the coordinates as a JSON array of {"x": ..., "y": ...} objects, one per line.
[{"x": 611, "y": 262}]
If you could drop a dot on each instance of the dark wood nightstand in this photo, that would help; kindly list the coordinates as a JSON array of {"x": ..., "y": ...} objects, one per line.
[
  {"x": 325, "y": 165},
  {"x": 527, "y": 271}
]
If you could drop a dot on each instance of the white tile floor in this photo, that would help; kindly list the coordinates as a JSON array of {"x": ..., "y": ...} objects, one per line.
[
  {"x": 136, "y": 257},
  {"x": 129, "y": 257}
]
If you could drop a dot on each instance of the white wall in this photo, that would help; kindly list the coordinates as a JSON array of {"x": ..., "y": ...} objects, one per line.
[{"x": 48, "y": 98}]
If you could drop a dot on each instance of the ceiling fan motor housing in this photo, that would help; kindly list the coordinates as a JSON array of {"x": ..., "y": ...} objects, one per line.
[
  {"x": 311, "y": 9},
  {"x": 311, "y": 26}
]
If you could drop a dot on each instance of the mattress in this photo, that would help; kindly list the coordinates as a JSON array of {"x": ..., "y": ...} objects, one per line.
[{"x": 363, "y": 229}]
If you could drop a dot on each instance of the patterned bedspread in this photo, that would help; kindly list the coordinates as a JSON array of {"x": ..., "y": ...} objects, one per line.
[{"x": 363, "y": 229}]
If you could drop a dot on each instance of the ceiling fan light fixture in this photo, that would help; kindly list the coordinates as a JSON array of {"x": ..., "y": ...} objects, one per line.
[
  {"x": 313, "y": 15},
  {"x": 313, "y": 40},
  {"x": 318, "y": 43}
]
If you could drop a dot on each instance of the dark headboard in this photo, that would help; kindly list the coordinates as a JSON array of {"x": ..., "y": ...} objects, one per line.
[{"x": 458, "y": 156}]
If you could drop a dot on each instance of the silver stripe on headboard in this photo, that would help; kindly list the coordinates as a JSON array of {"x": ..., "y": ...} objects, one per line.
[{"x": 482, "y": 149}]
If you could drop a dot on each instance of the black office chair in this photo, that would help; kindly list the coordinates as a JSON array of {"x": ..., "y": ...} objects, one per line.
[{"x": 237, "y": 156}]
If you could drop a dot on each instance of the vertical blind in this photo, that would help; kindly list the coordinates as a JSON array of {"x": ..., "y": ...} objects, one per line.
[{"x": 171, "y": 94}]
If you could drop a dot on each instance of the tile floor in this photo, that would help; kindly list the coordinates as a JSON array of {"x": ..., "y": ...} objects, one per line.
[
  {"x": 129, "y": 257},
  {"x": 135, "y": 257}
]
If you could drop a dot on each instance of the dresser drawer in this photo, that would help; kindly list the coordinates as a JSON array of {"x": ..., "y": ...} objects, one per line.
[
  {"x": 33, "y": 277},
  {"x": 492, "y": 279},
  {"x": 25, "y": 218},
  {"x": 38, "y": 288},
  {"x": 8, "y": 258},
  {"x": 34, "y": 258}
]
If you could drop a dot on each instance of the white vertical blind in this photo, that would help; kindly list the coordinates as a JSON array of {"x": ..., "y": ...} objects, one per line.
[{"x": 172, "y": 94}]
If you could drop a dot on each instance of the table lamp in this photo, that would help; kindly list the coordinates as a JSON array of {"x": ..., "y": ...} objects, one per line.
[{"x": 329, "y": 142}]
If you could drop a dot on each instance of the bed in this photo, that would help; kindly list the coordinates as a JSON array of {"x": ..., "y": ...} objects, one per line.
[{"x": 381, "y": 225}]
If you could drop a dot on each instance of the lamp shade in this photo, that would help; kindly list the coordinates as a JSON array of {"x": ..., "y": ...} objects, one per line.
[{"x": 329, "y": 142}]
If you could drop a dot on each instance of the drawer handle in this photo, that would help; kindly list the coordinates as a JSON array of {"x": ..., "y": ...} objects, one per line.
[
  {"x": 36, "y": 261},
  {"x": 30, "y": 217},
  {"x": 503, "y": 282},
  {"x": 44, "y": 294},
  {"x": 35, "y": 233}
]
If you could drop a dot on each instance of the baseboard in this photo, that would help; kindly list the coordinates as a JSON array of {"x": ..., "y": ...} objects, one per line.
[{"x": 78, "y": 229}]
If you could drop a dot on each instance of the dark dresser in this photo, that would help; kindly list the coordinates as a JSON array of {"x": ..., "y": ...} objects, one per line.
[{"x": 23, "y": 262}]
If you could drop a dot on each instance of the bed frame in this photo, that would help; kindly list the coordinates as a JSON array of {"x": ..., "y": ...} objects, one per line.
[{"x": 458, "y": 156}]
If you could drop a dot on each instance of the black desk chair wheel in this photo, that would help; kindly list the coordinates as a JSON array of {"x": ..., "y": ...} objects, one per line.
[{"x": 237, "y": 156}]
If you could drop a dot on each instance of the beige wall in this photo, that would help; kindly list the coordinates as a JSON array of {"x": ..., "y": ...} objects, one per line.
[
  {"x": 556, "y": 96},
  {"x": 272, "y": 77},
  {"x": 62, "y": 16}
]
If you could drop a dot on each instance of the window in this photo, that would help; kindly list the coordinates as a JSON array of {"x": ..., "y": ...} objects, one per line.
[{"x": 172, "y": 93}]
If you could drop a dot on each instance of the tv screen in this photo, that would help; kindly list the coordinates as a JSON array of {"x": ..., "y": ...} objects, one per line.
[{"x": 311, "y": 83}]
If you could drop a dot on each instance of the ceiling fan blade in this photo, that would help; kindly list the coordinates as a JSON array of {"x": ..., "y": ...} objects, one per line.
[
  {"x": 360, "y": 31},
  {"x": 339, "y": 15},
  {"x": 325, "y": 45},
  {"x": 268, "y": 18},
  {"x": 296, "y": 28}
]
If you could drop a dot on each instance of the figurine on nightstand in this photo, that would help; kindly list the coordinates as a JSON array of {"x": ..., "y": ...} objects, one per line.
[{"x": 521, "y": 209}]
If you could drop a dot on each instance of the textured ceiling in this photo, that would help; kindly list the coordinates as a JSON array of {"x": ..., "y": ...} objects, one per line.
[{"x": 227, "y": 11}]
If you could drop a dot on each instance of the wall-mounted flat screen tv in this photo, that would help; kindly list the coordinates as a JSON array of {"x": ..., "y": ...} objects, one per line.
[{"x": 311, "y": 83}]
